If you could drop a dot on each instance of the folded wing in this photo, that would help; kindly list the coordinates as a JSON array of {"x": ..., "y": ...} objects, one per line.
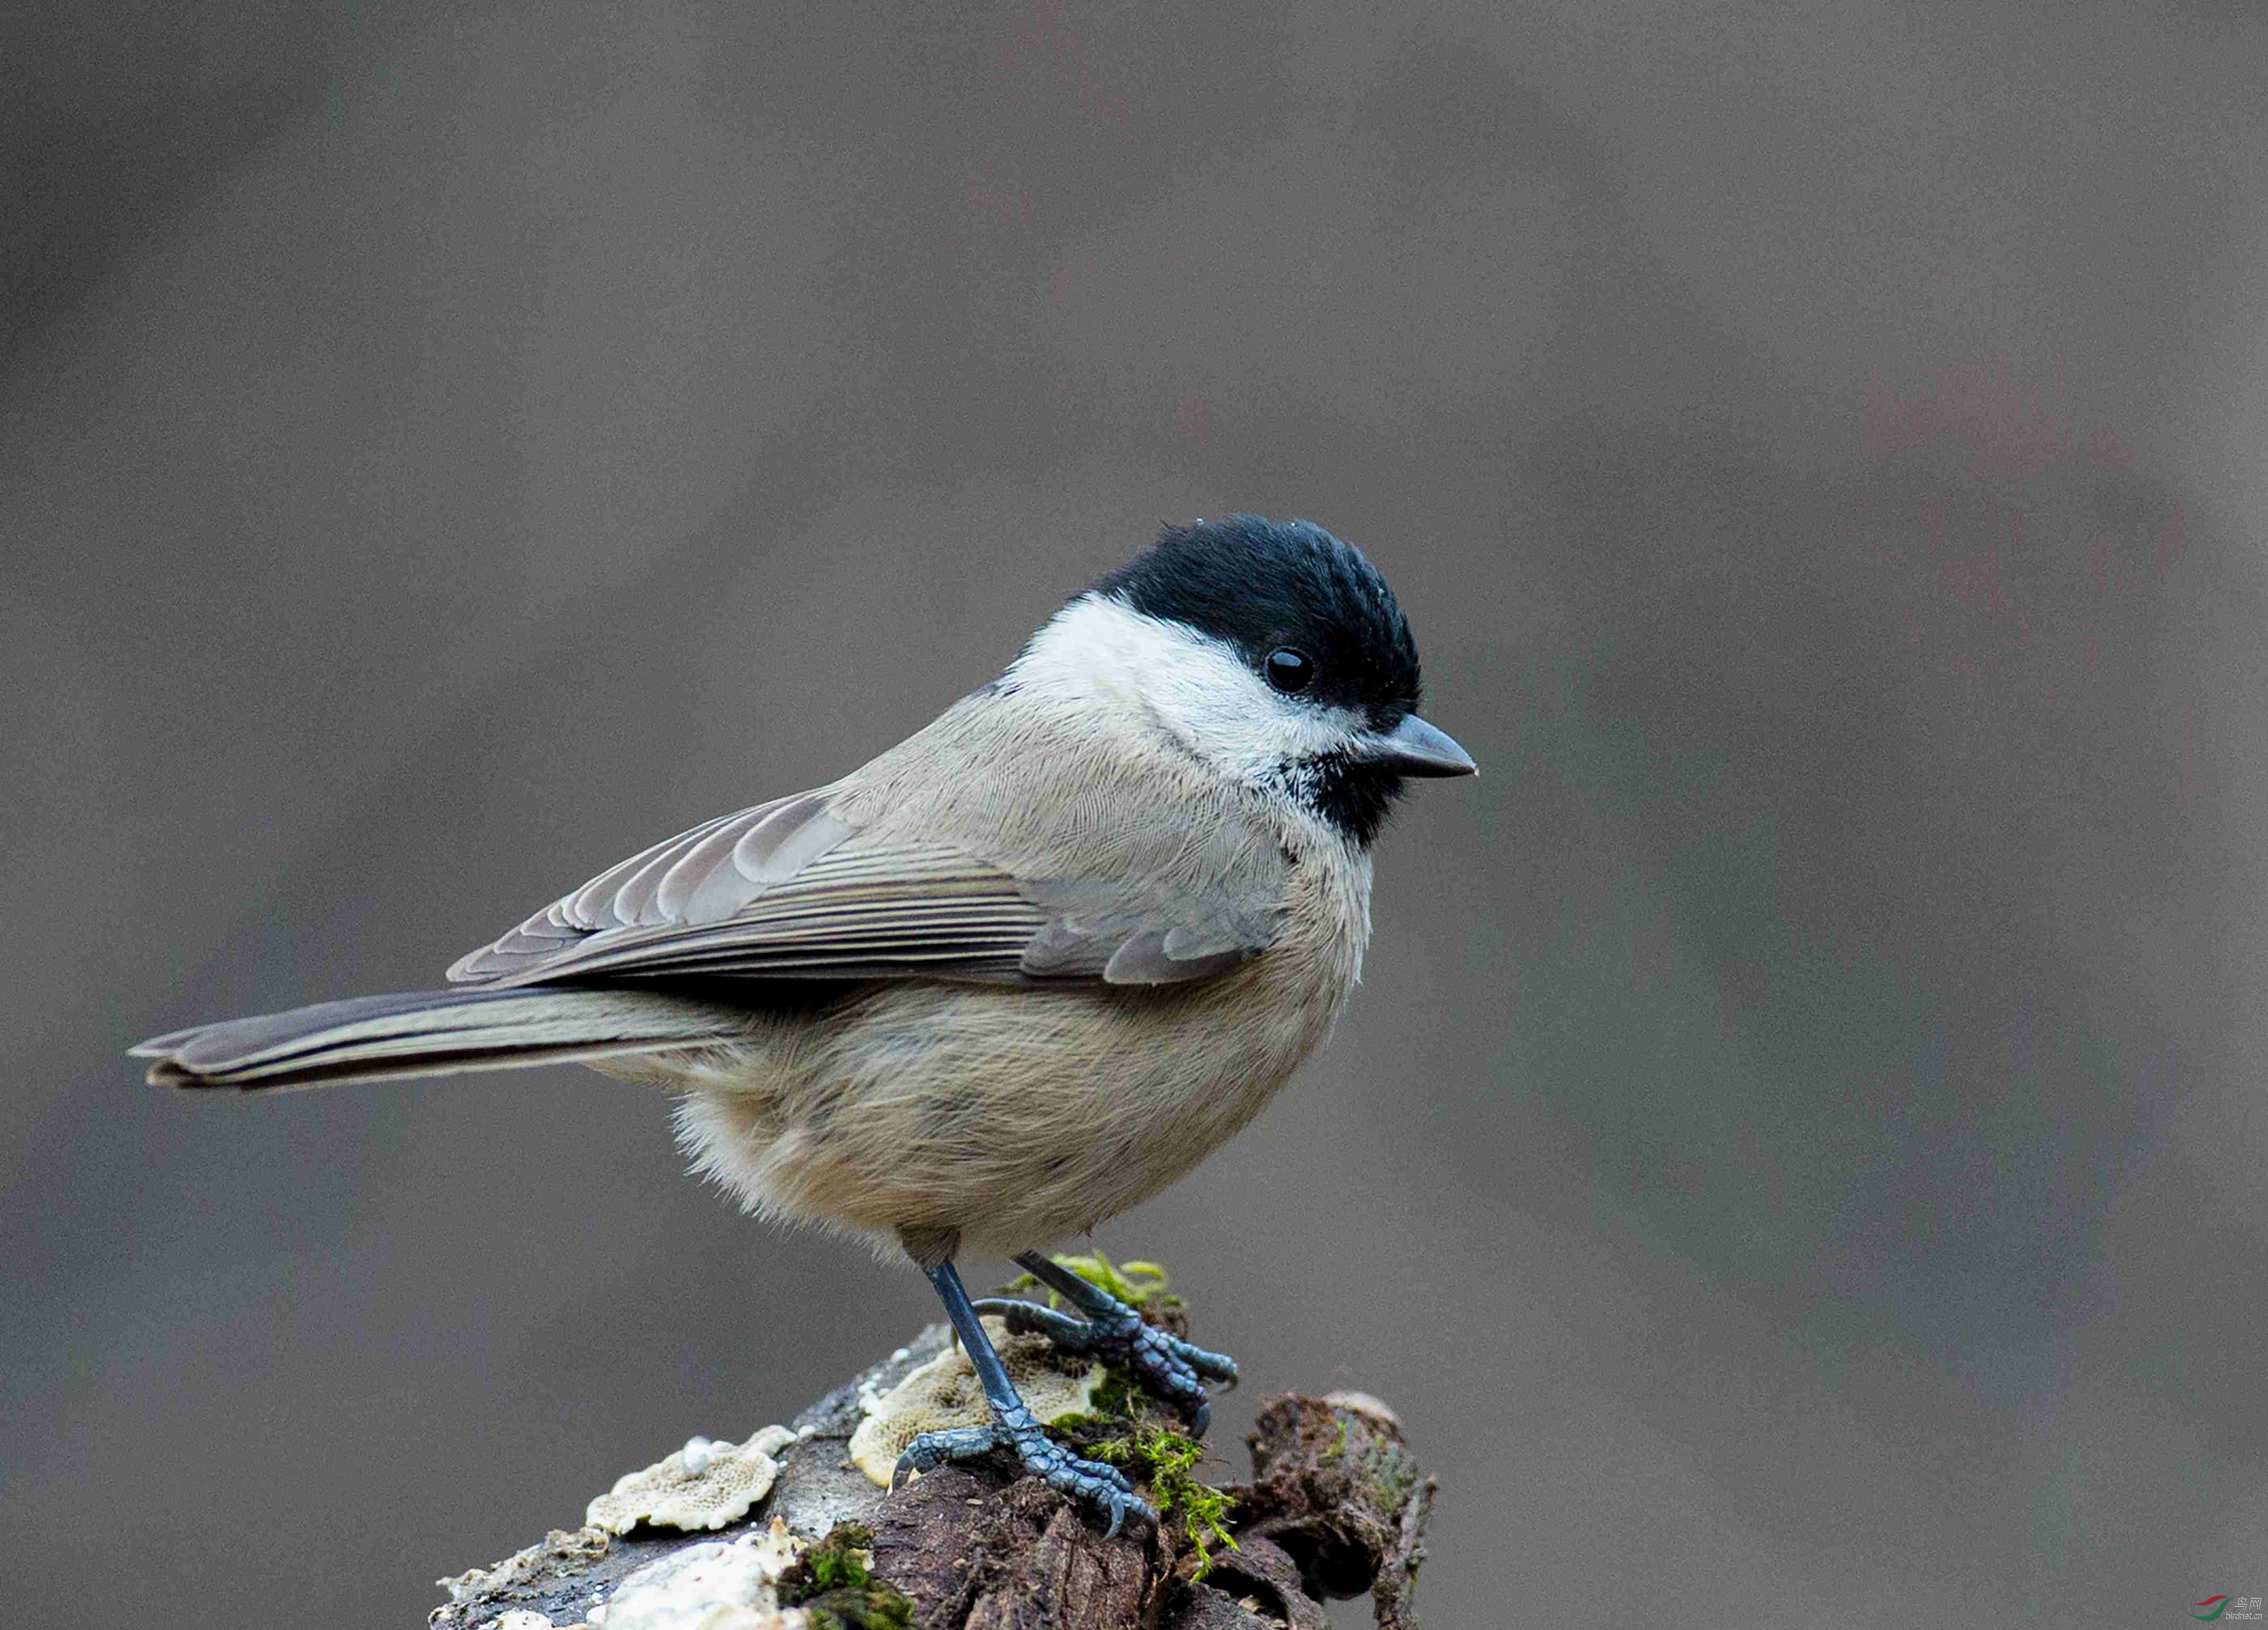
[{"x": 790, "y": 890}]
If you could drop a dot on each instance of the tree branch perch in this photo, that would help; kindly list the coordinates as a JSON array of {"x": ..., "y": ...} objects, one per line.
[{"x": 1336, "y": 1506}]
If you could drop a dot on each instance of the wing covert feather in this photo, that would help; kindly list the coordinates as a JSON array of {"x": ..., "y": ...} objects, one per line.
[
  {"x": 788, "y": 889},
  {"x": 1123, "y": 935}
]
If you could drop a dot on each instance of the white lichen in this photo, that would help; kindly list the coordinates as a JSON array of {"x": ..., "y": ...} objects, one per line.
[
  {"x": 556, "y": 1552},
  {"x": 706, "y": 1483},
  {"x": 717, "y": 1585},
  {"x": 944, "y": 1393},
  {"x": 1364, "y": 1403}
]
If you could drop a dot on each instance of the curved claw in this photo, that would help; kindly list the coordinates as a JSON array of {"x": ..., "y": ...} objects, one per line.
[
  {"x": 1212, "y": 1366},
  {"x": 932, "y": 1449},
  {"x": 1121, "y": 1508}
]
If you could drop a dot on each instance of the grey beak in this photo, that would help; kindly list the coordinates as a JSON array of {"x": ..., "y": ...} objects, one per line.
[{"x": 1414, "y": 748}]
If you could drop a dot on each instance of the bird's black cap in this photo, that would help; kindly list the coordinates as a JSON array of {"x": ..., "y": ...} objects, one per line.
[{"x": 1262, "y": 586}]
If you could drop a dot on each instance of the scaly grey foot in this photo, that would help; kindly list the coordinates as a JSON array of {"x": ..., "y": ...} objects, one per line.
[
  {"x": 1089, "y": 1480},
  {"x": 1167, "y": 1367},
  {"x": 1012, "y": 1426}
]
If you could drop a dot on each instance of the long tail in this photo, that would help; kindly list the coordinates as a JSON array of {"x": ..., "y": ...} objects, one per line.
[{"x": 432, "y": 1033}]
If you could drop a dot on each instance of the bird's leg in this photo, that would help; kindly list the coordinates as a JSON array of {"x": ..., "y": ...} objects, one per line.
[
  {"x": 1012, "y": 1427},
  {"x": 1168, "y": 1367}
]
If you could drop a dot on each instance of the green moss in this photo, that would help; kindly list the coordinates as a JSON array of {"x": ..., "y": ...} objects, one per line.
[
  {"x": 1164, "y": 1459},
  {"x": 1391, "y": 1471},
  {"x": 1117, "y": 1408},
  {"x": 1118, "y": 1396},
  {"x": 834, "y": 1584},
  {"x": 876, "y": 1608},
  {"x": 1338, "y": 1443},
  {"x": 839, "y": 1560}
]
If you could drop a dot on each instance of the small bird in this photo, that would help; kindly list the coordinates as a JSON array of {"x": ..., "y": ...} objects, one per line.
[{"x": 1012, "y": 978}]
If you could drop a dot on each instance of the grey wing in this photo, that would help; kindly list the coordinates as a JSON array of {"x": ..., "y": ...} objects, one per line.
[
  {"x": 1126, "y": 935},
  {"x": 789, "y": 890}
]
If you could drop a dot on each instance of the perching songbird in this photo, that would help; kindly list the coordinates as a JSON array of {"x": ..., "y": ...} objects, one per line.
[{"x": 1016, "y": 975}]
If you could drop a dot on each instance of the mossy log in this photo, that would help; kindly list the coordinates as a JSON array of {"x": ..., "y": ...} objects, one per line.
[{"x": 1336, "y": 1506}]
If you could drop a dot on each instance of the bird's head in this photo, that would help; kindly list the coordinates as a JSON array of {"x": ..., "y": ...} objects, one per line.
[{"x": 1269, "y": 651}]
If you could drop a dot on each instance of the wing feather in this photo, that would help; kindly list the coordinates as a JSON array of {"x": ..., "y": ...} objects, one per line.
[{"x": 789, "y": 890}]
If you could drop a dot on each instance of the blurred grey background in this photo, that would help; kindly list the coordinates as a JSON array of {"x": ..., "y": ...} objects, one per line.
[{"x": 1797, "y": 1158}]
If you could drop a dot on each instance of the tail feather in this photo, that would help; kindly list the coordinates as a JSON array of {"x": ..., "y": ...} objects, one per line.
[{"x": 432, "y": 1033}]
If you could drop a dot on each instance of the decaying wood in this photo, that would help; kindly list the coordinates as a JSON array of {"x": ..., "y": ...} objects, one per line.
[{"x": 1336, "y": 1507}]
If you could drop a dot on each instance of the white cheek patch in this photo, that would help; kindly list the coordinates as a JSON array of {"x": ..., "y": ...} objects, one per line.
[{"x": 1098, "y": 649}]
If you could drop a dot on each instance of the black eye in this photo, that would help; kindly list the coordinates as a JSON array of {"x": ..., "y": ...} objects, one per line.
[{"x": 1290, "y": 670}]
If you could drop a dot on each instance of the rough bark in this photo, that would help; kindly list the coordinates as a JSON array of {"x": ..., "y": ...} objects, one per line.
[{"x": 1336, "y": 1507}]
